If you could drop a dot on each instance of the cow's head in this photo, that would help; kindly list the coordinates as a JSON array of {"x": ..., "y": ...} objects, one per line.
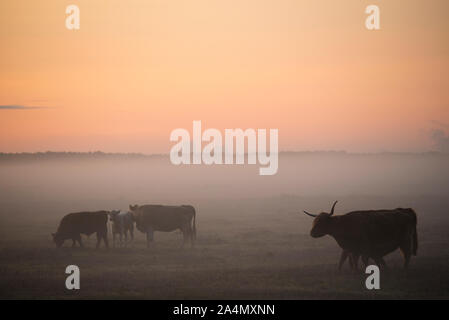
[
  {"x": 57, "y": 239},
  {"x": 113, "y": 214},
  {"x": 133, "y": 210},
  {"x": 322, "y": 222}
]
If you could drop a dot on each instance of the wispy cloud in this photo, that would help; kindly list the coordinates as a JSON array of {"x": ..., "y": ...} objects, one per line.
[{"x": 20, "y": 107}]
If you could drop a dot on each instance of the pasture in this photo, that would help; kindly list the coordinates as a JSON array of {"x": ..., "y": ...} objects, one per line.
[{"x": 250, "y": 245}]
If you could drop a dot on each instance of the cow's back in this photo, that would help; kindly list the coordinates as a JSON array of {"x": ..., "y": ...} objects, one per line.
[
  {"x": 83, "y": 222},
  {"x": 375, "y": 232},
  {"x": 163, "y": 218}
]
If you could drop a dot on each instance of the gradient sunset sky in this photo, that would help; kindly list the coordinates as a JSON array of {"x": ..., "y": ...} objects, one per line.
[{"x": 136, "y": 70}]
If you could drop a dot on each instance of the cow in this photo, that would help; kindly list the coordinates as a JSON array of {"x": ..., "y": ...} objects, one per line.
[
  {"x": 372, "y": 233},
  {"x": 73, "y": 225},
  {"x": 122, "y": 223},
  {"x": 150, "y": 218}
]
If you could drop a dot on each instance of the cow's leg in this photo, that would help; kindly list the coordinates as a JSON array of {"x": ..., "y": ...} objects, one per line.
[
  {"x": 187, "y": 234},
  {"x": 192, "y": 237},
  {"x": 150, "y": 236},
  {"x": 131, "y": 235},
  {"x": 351, "y": 260},
  {"x": 121, "y": 238},
  {"x": 126, "y": 237},
  {"x": 406, "y": 252},
  {"x": 365, "y": 261},
  {"x": 355, "y": 261},
  {"x": 105, "y": 238},
  {"x": 78, "y": 238},
  {"x": 73, "y": 242},
  {"x": 98, "y": 240},
  {"x": 113, "y": 239},
  {"x": 343, "y": 257},
  {"x": 382, "y": 263}
]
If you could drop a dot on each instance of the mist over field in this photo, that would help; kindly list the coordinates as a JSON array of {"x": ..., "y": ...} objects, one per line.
[
  {"x": 111, "y": 181},
  {"x": 253, "y": 240}
]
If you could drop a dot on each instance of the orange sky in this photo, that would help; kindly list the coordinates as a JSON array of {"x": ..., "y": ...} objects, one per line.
[{"x": 136, "y": 70}]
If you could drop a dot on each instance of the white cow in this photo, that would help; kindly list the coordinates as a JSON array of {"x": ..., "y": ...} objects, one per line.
[{"x": 122, "y": 222}]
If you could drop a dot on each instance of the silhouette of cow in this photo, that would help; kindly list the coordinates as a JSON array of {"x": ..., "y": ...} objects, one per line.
[
  {"x": 372, "y": 233},
  {"x": 150, "y": 218},
  {"x": 73, "y": 225}
]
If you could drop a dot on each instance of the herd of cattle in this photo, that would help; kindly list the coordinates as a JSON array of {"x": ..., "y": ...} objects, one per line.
[
  {"x": 367, "y": 234},
  {"x": 148, "y": 218}
]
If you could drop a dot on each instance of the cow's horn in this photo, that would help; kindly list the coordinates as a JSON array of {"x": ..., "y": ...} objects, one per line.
[
  {"x": 333, "y": 207},
  {"x": 309, "y": 214}
]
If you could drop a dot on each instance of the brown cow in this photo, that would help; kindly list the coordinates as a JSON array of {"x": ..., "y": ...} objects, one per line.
[
  {"x": 74, "y": 224},
  {"x": 150, "y": 218},
  {"x": 373, "y": 233}
]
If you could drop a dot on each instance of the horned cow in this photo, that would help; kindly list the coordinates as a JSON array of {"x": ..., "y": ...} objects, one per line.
[{"x": 370, "y": 234}]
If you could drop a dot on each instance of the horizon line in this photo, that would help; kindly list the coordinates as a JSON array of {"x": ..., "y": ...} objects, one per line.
[{"x": 98, "y": 152}]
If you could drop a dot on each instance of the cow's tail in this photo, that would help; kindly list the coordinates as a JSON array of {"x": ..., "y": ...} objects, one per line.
[
  {"x": 415, "y": 242},
  {"x": 194, "y": 224},
  {"x": 415, "y": 234}
]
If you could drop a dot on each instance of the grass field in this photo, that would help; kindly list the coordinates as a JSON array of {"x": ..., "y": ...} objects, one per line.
[
  {"x": 247, "y": 248},
  {"x": 252, "y": 256}
]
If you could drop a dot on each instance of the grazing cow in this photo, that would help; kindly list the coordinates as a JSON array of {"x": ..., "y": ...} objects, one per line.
[
  {"x": 373, "y": 233},
  {"x": 150, "y": 218},
  {"x": 73, "y": 225},
  {"x": 122, "y": 223}
]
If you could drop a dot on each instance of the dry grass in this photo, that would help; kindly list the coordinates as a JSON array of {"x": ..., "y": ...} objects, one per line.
[{"x": 246, "y": 255}]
